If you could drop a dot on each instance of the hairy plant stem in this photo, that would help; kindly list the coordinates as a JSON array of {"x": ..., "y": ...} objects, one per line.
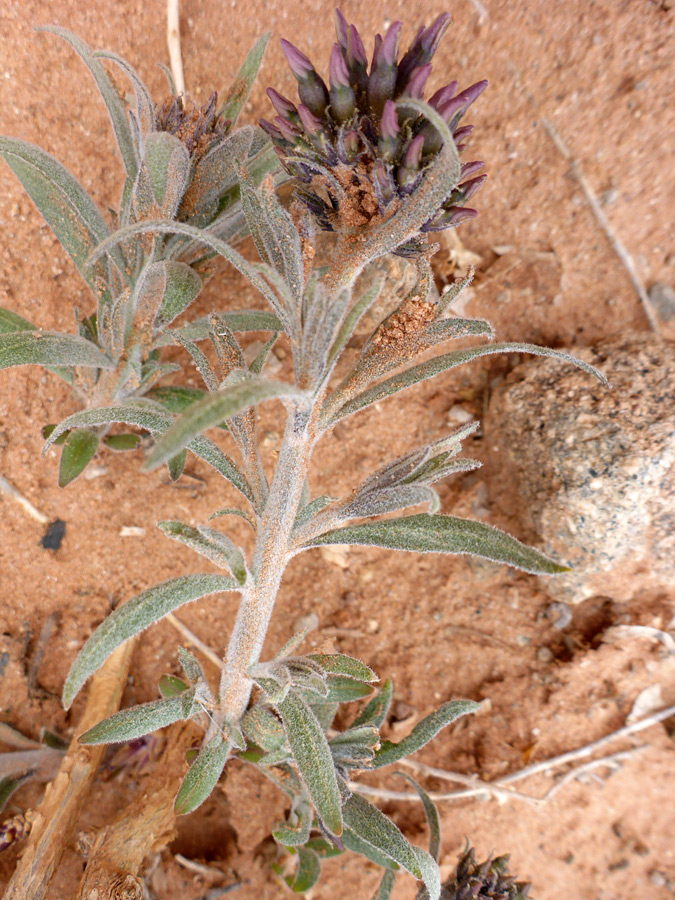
[{"x": 270, "y": 556}]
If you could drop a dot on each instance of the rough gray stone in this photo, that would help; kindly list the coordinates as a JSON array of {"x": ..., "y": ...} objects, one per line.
[{"x": 588, "y": 474}]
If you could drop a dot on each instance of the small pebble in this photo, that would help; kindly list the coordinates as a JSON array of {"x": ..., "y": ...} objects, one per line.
[
  {"x": 662, "y": 296},
  {"x": 54, "y": 535},
  {"x": 560, "y": 614},
  {"x": 545, "y": 655}
]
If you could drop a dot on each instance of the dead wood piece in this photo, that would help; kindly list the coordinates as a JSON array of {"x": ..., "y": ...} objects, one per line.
[
  {"x": 56, "y": 817},
  {"x": 146, "y": 826}
]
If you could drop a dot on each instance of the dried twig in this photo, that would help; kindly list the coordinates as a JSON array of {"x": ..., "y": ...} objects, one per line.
[
  {"x": 11, "y": 491},
  {"x": 173, "y": 42},
  {"x": 194, "y": 640},
  {"x": 56, "y": 817},
  {"x": 499, "y": 788},
  {"x": 657, "y": 634},
  {"x": 38, "y": 653}
]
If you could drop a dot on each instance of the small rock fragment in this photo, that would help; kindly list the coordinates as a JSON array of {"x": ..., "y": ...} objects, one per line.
[{"x": 54, "y": 535}]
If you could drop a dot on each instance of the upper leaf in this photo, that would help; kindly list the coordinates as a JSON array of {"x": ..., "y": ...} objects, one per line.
[{"x": 423, "y": 732}]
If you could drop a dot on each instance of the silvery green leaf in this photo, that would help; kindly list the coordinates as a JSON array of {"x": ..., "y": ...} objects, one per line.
[
  {"x": 145, "y": 107},
  {"x": 78, "y": 451},
  {"x": 373, "y": 827},
  {"x": 431, "y": 813},
  {"x": 386, "y": 886},
  {"x": 312, "y": 755},
  {"x": 170, "y": 226},
  {"x": 65, "y": 205},
  {"x": 309, "y": 870},
  {"x": 377, "y": 709},
  {"x": 135, "y": 616},
  {"x": 355, "y": 747},
  {"x": 50, "y": 348},
  {"x": 213, "y": 410},
  {"x": 324, "y": 711},
  {"x": 244, "y": 320},
  {"x": 423, "y": 732},
  {"x": 113, "y": 102},
  {"x": 263, "y": 728},
  {"x": 7, "y": 788},
  {"x": 388, "y": 500},
  {"x": 156, "y": 422},
  {"x": 443, "y": 534},
  {"x": 176, "y": 465},
  {"x": 323, "y": 848},
  {"x": 11, "y": 321},
  {"x": 191, "y": 666},
  {"x": 164, "y": 290},
  {"x": 162, "y": 177},
  {"x": 122, "y": 442},
  {"x": 447, "y": 361},
  {"x": 210, "y": 543},
  {"x": 202, "y": 775},
  {"x": 295, "y": 833},
  {"x": 339, "y": 664},
  {"x": 201, "y": 361},
  {"x": 129, "y": 724},
  {"x": 240, "y": 88},
  {"x": 171, "y": 686},
  {"x": 311, "y": 509},
  {"x": 356, "y": 844},
  {"x": 261, "y": 357},
  {"x": 215, "y": 175},
  {"x": 275, "y": 235},
  {"x": 233, "y": 511},
  {"x": 367, "y": 298},
  {"x": 342, "y": 689},
  {"x": 176, "y": 398}
]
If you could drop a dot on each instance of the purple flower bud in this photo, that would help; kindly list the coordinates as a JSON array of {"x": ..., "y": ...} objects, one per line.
[
  {"x": 311, "y": 88},
  {"x": 341, "y": 29},
  {"x": 469, "y": 188},
  {"x": 299, "y": 63},
  {"x": 383, "y": 185},
  {"x": 310, "y": 122},
  {"x": 389, "y": 143},
  {"x": 342, "y": 97},
  {"x": 409, "y": 170},
  {"x": 443, "y": 95},
  {"x": 288, "y": 130},
  {"x": 472, "y": 93},
  {"x": 349, "y": 146},
  {"x": 462, "y": 132},
  {"x": 355, "y": 48},
  {"x": 449, "y": 218},
  {"x": 468, "y": 169},
  {"x": 422, "y": 49},
  {"x": 382, "y": 79},
  {"x": 417, "y": 82},
  {"x": 272, "y": 130},
  {"x": 283, "y": 106}
]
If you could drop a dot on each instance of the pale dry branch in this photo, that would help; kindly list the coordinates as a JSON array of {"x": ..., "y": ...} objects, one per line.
[
  {"x": 194, "y": 640},
  {"x": 173, "y": 42},
  {"x": 10, "y": 491},
  {"x": 56, "y": 817}
]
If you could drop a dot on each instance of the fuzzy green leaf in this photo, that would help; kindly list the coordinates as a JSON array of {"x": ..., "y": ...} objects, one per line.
[
  {"x": 11, "y": 321},
  {"x": 145, "y": 107},
  {"x": 171, "y": 686},
  {"x": 356, "y": 844},
  {"x": 136, "y": 615},
  {"x": 339, "y": 664},
  {"x": 132, "y": 723},
  {"x": 122, "y": 442},
  {"x": 65, "y": 205},
  {"x": 372, "y": 826},
  {"x": 354, "y": 748},
  {"x": 164, "y": 290},
  {"x": 309, "y": 870},
  {"x": 443, "y": 534},
  {"x": 50, "y": 348},
  {"x": 433, "y": 819},
  {"x": 113, "y": 102},
  {"x": 342, "y": 689},
  {"x": 202, "y": 776},
  {"x": 376, "y": 711},
  {"x": 313, "y": 757},
  {"x": 439, "y": 364},
  {"x": 423, "y": 732},
  {"x": 213, "y": 410},
  {"x": 244, "y": 320},
  {"x": 176, "y": 465},
  {"x": 386, "y": 886},
  {"x": 157, "y": 422},
  {"x": 162, "y": 177},
  {"x": 293, "y": 835},
  {"x": 212, "y": 544},
  {"x": 78, "y": 451},
  {"x": 263, "y": 728},
  {"x": 240, "y": 88},
  {"x": 176, "y": 398}
]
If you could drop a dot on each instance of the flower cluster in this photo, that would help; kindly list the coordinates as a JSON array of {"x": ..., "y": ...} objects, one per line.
[
  {"x": 485, "y": 881},
  {"x": 355, "y": 140},
  {"x": 196, "y": 127}
]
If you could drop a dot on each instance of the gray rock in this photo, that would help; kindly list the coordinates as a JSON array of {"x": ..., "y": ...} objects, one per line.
[{"x": 588, "y": 474}]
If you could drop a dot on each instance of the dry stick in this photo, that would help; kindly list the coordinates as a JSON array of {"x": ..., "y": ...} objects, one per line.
[
  {"x": 56, "y": 817},
  {"x": 534, "y": 769},
  {"x": 594, "y": 203},
  {"x": 11, "y": 491},
  {"x": 148, "y": 824},
  {"x": 194, "y": 640},
  {"x": 173, "y": 42}
]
